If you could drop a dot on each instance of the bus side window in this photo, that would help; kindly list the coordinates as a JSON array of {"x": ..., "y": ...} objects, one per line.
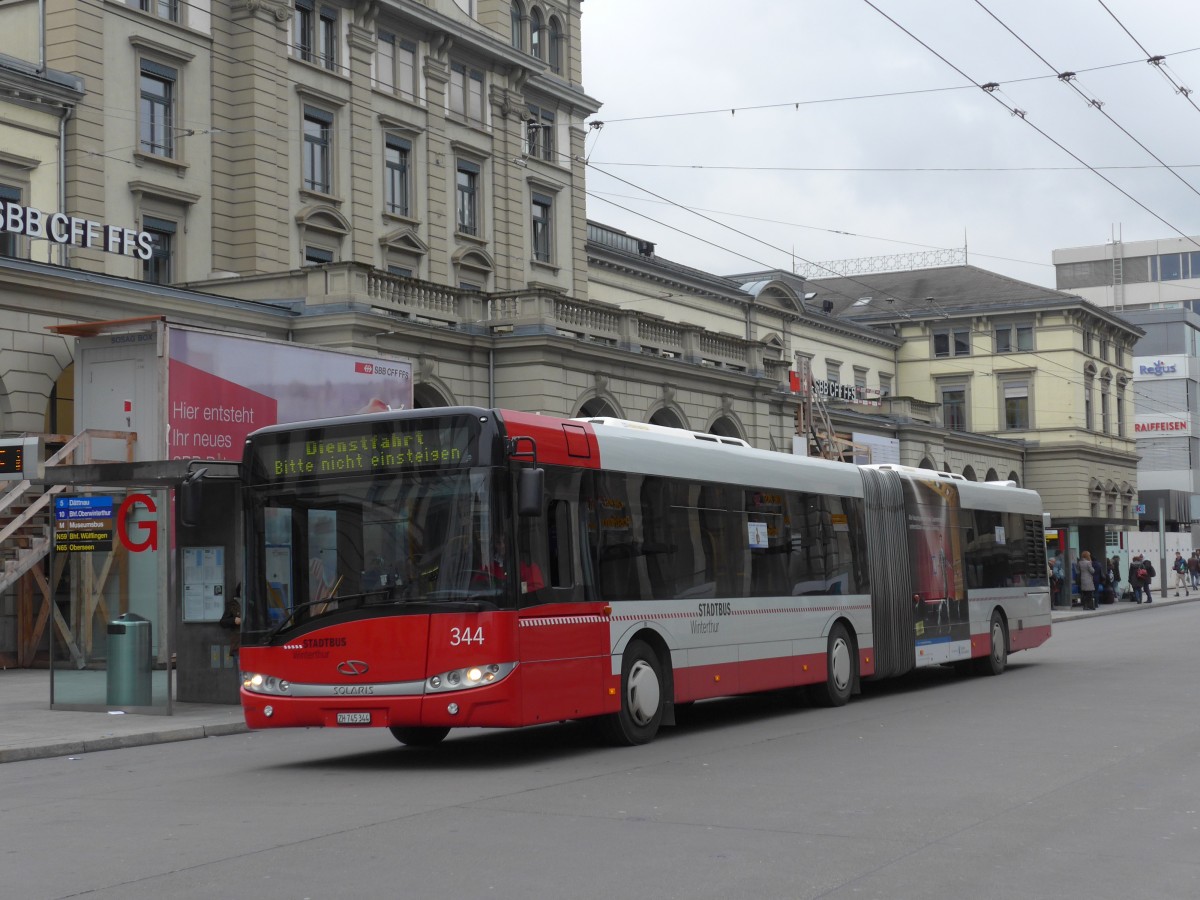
[{"x": 558, "y": 535}]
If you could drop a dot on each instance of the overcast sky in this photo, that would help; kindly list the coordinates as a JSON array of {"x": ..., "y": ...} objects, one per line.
[{"x": 810, "y": 165}]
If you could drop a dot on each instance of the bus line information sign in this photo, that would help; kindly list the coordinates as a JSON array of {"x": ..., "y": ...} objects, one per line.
[{"x": 83, "y": 524}]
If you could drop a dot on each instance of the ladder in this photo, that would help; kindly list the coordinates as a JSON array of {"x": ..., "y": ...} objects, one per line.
[{"x": 813, "y": 423}]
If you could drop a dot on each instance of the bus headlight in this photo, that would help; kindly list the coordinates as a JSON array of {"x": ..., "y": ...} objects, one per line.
[
  {"x": 257, "y": 683},
  {"x": 469, "y": 677}
]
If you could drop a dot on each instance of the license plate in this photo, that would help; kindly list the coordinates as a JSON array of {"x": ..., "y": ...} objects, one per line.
[{"x": 354, "y": 718}]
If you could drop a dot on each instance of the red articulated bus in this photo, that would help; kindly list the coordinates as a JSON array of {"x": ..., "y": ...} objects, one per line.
[{"x": 430, "y": 569}]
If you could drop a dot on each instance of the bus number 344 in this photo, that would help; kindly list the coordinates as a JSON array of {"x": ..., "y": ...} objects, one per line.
[{"x": 468, "y": 636}]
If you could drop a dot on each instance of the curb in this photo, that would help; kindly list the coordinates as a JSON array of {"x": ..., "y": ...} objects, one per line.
[
  {"x": 1070, "y": 615},
  {"x": 75, "y": 748}
]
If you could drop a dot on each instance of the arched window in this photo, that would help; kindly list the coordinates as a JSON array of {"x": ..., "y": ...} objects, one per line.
[
  {"x": 428, "y": 397},
  {"x": 1089, "y": 389},
  {"x": 725, "y": 427},
  {"x": 667, "y": 418},
  {"x": 518, "y": 18},
  {"x": 535, "y": 32},
  {"x": 597, "y": 408},
  {"x": 1106, "y": 402},
  {"x": 556, "y": 46}
]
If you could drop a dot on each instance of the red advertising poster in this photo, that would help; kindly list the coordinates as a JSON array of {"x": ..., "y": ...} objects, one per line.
[
  {"x": 220, "y": 388},
  {"x": 936, "y": 557}
]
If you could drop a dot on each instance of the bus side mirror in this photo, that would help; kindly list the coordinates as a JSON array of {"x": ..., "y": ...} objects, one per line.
[
  {"x": 530, "y": 487},
  {"x": 191, "y": 498}
]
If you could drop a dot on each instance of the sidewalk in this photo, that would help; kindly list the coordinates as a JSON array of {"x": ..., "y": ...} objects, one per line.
[
  {"x": 1062, "y": 614},
  {"x": 29, "y": 729}
]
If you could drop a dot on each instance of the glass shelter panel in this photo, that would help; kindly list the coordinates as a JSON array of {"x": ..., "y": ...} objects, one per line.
[{"x": 110, "y": 633}]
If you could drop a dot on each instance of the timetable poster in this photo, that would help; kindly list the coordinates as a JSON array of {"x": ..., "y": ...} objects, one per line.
[{"x": 203, "y": 584}]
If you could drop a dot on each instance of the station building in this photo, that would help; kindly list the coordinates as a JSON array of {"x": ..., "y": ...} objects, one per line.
[{"x": 404, "y": 182}]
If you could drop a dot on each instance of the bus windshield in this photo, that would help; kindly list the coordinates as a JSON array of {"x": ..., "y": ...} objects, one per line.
[{"x": 355, "y": 546}]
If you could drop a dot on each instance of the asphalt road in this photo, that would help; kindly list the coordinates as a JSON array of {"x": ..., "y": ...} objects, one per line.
[{"x": 1075, "y": 774}]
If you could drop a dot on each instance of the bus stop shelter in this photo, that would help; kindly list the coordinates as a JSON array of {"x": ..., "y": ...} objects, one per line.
[{"x": 144, "y": 558}]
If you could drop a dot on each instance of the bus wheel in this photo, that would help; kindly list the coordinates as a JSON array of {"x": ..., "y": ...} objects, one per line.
[
  {"x": 641, "y": 698},
  {"x": 997, "y": 659},
  {"x": 839, "y": 670},
  {"x": 417, "y": 736}
]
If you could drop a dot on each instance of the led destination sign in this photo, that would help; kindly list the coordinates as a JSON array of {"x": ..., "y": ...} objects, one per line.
[{"x": 388, "y": 448}]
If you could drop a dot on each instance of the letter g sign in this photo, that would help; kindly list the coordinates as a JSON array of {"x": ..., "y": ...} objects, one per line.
[{"x": 149, "y": 529}]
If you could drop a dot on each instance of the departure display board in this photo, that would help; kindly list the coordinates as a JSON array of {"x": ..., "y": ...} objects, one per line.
[{"x": 19, "y": 458}]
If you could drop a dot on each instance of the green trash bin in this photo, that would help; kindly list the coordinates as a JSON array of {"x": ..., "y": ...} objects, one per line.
[{"x": 130, "y": 663}]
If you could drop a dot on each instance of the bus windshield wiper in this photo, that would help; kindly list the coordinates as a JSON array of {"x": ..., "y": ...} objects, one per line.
[{"x": 324, "y": 601}]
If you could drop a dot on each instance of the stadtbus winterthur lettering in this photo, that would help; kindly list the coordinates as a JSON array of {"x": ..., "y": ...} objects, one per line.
[{"x": 365, "y": 453}]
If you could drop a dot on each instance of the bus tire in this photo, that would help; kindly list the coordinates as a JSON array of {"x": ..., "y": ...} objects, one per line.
[
  {"x": 840, "y": 669},
  {"x": 418, "y": 736},
  {"x": 641, "y": 711},
  {"x": 997, "y": 659}
]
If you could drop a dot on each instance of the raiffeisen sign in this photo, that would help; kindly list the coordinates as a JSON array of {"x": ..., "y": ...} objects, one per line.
[{"x": 63, "y": 229}]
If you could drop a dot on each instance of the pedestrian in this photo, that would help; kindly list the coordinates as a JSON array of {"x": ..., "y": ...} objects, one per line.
[
  {"x": 1087, "y": 580},
  {"x": 1141, "y": 574},
  {"x": 1114, "y": 576},
  {"x": 1182, "y": 577},
  {"x": 1147, "y": 577},
  {"x": 1104, "y": 584},
  {"x": 1194, "y": 568},
  {"x": 231, "y": 619}
]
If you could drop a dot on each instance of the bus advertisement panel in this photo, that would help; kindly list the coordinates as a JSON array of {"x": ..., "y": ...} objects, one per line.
[
  {"x": 220, "y": 388},
  {"x": 942, "y": 626}
]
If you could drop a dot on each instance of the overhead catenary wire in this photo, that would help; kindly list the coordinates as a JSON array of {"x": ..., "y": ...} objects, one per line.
[
  {"x": 1070, "y": 79},
  {"x": 883, "y": 95},
  {"x": 884, "y": 169},
  {"x": 1021, "y": 114},
  {"x": 1159, "y": 62}
]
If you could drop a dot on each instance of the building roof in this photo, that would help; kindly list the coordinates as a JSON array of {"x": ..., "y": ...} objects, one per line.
[
  {"x": 614, "y": 247},
  {"x": 943, "y": 292}
]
